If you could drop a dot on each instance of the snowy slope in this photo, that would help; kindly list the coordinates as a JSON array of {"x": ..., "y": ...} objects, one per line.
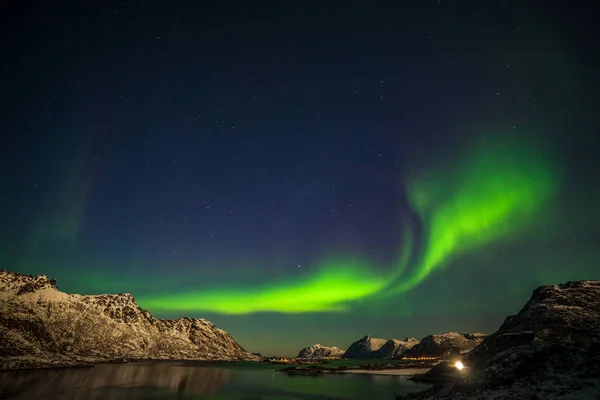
[
  {"x": 319, "y": 351},
  {"x": 41, "y": 326},
  {"x": 445, "y": 344},
  {"x": 367, "y": 347},
  {"x": 396, "y": 348}
]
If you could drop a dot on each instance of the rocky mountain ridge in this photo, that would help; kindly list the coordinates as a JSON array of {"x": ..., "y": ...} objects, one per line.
[
  {"x": 370, "y": 348},
  {"x": 394, "y": 348},
  {"x": 367, "y": 347},
  {"x": 445, "y": 344},
  {"x": 439, "y": 346},
  {"x": 44, "y": 327},
  {"x": 319, "y": 351},
  {"x": 549, "y": 350}
]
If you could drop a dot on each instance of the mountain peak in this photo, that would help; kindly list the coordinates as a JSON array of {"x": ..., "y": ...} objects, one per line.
[
  {"x": 39, "y": 319},
  {"x": 319, "y": 351},
  {"x": 445, "y": 344},
  {"x": 19, "y": 284}
]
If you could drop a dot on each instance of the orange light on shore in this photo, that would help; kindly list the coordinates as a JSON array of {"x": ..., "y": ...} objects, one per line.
[
  {"x": 459, "y": 365},
  {"x": 420, "y": 358}
]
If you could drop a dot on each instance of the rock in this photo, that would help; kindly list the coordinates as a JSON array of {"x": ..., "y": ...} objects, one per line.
[
  {"x": 549, "y": 350},
  {"x": 445, "y": 345},
  {"x": 318, "y": 351},
  {"x": 43, "y": 327}
]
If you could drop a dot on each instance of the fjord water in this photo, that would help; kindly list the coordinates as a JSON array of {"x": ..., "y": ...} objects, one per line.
[{"x": 189, "y": 380}]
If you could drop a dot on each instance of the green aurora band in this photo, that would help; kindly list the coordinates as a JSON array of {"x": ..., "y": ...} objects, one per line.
[
  {"x": 333, "y": 285},
  {"x": 495, "y": 191}
]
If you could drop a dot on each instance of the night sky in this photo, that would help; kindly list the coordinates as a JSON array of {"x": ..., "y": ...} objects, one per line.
[{"x": 303, "y": 172}]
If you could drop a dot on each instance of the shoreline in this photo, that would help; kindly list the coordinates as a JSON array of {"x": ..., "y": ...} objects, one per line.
[
  {"x": 36, "y": 364},
  {"x": 389, "y": 372},
  {"x": 399, "y": 370},
  {"x": 15, "y": 364}
]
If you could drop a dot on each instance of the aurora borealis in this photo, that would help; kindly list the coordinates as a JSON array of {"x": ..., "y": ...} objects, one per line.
[
  {"x": 330, "y": 174},
  {"x": 492, "y": 194}
]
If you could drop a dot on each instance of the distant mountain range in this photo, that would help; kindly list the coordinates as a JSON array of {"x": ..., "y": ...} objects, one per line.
[
  {"x": 369, "y": 347},
  {"x": 435, "y": 346},
  {"x": 318, "y": 351},
  {"x": 445, "y": 345},
  {"x": 41, "y": 326}
]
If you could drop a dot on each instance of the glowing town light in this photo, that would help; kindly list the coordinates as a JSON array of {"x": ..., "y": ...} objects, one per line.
[{"x": 459, "y": 365}]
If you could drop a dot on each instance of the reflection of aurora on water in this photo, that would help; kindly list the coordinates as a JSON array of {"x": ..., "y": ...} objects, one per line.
[
  {"x": 187, "y": 380},
  {"x": 493, "y": 192},
  {"x": 167, "y": 376}
]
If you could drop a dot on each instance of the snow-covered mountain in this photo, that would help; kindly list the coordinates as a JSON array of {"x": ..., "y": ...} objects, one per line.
[
  {"x": 549, "y": 350},
  {"x": 430, "y": 346},
  {"x": 43, "y": 327},
  {"x": 445, "y": 344},
  {"x": 369, "y": 347},
  {"x": 319, "y": 351},
  {"x": 396, "y": 348}
]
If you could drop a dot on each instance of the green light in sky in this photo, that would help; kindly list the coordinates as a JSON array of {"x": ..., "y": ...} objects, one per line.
[
  {"x": 491, "y": 193},
  {"x": 494, "y": 192},
  {"x": 334, "y": 284},
  {"x": 67, "y": 206}
]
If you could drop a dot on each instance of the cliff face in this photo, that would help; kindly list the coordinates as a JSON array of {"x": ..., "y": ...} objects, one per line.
[
  {"x": 43, "y": 327},
  {"x": 549, "y": 350},
  {"x": 446, "y": 344},
  {"x": 318, "y": 351}
]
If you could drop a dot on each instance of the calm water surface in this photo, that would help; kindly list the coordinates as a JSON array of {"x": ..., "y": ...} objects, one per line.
[{"x": 189, "y": 380}]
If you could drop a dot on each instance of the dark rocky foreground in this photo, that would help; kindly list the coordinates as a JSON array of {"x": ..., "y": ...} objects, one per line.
[
  {"x": 549, "y": 350},
  {"x": 42, "y": 327}
]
